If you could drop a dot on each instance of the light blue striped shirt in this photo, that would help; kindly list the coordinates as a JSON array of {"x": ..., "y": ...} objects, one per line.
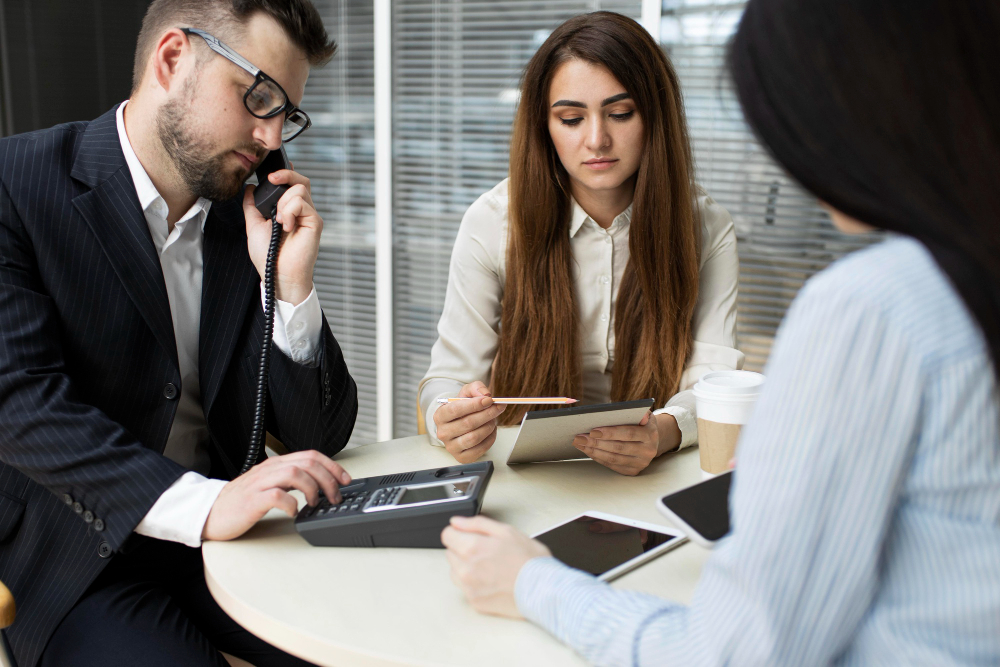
[{"x": 866, "y": 507}]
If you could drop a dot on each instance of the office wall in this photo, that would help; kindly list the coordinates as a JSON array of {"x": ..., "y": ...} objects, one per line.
[{"x": 64, "y": 61}]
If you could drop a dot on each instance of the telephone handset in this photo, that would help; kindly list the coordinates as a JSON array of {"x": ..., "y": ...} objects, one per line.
[
  {"x": 265, "y": 198},
  {"x": 267, "y": 194}
]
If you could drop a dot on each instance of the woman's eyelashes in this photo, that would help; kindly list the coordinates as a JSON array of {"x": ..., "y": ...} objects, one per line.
[{"x": 620, "y": 117}]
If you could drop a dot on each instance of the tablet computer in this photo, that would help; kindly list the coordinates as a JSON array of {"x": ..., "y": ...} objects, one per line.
[
  {"x": 701, "y": 510},
  {"x": 547, "y": 435},
  {"x": 607, "y": 546}
]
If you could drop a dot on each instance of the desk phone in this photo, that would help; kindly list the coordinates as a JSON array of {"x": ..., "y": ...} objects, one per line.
[{"x": 402, "y": 510}]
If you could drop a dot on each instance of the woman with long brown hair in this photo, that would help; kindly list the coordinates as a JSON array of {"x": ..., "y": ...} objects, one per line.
[
  {"x": 865, "y": 511},
  {"x": 598, "y": 269}
]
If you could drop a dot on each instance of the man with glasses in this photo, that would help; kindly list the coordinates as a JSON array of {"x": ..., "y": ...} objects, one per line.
[{"x": 131, "y": 258}]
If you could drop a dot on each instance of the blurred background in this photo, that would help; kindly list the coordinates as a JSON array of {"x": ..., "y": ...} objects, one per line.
[{"x": 447, "y": 74}]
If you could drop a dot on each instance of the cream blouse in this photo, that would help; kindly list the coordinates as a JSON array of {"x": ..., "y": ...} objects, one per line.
[{"x": 469, "y": 326}]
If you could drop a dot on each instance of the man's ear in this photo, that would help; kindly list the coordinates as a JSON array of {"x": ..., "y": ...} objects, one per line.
[{"x": 169, "y": 57}]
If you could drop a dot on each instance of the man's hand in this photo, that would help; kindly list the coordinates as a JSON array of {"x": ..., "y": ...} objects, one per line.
[
  {"x": 301, "y": 228},
  {"x": 628, "y": 449},
  {"x": 468, "y": 428},
  {"x": 486, "y": 556},
  {"x": 247, "y": 498}
]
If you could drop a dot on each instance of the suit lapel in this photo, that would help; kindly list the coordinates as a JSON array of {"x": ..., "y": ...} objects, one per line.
[
  {"x": 111, "y": 209},
  {"x": 229, "y": 283}
]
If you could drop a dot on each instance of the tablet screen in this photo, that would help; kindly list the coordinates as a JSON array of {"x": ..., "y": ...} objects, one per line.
[
  {"x": 597, "y": 545},
  {"x": 704, "y": 507}
]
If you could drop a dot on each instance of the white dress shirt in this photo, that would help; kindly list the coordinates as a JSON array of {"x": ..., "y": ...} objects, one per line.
[
  {"x": 179, "y": 514},
  {"x": 469, "y": 327}
]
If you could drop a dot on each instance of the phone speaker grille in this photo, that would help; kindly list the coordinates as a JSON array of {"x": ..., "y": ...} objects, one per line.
[{"x": 397, "y": 479}]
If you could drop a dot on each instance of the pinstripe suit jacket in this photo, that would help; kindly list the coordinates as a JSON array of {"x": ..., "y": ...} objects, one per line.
[{"x": 87, "y": 350}]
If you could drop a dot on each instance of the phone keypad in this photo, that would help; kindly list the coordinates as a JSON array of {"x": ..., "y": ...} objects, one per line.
[{"x": 354, "y": 501}]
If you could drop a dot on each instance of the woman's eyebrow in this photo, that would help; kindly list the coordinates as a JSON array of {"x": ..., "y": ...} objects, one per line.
[
  {"x": 616, "y": 98},
  {"x": 569, "y": 103},
  {"x": 611, "y": 100}
]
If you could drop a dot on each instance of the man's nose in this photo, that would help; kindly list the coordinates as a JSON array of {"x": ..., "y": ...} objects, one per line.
[{"x": 268, "y": 131}]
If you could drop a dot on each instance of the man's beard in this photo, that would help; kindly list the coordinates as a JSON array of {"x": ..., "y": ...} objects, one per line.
[{"x": 205, "y": 175}]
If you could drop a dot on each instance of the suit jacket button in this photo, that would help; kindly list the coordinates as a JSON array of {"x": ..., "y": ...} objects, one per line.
[
  {"x": 78, "y": 508},
  {"x": 68, "y": 499},
  {"x": 170, "y": 391},
  {"x": 98, "y": 525},
  {"x": 104, "y": 550},
  {"x": 88, "y": 516}
]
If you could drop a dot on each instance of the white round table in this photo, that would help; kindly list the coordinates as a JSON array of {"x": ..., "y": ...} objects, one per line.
[{"x": 347, "y": 606}]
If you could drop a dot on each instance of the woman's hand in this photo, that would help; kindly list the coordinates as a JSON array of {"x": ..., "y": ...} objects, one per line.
[
  {"x": 629, "y": 449},
  {"x": 468, "y": 428},
  {"x": 486, "y": 556}
]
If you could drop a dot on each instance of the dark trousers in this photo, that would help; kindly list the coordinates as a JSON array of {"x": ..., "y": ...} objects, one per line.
[{"x": 151, "y": 607}]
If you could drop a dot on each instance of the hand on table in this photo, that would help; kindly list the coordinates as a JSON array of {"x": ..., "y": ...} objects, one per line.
[
  {"x": 625, "y": 449},
  {"x": 247, "y": 498},
  {"x": 486, "y": 556},
  {"x": 468, "y": 428}
]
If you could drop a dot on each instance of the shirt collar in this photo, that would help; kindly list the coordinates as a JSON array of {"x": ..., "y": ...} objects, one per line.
[
  {"x": 578, "y": 216},
  {"x": 149, "y": 197}
]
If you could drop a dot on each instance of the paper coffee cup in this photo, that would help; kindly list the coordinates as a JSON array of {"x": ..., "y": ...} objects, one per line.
[{"x": 723, "y": 401}]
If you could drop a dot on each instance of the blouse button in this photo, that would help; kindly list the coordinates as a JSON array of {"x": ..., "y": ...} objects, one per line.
[
  {"x": 604, "y": 317},
  {"x": 605, "y": 280}
]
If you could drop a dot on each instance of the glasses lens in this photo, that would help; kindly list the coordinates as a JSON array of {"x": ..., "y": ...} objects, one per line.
[
  {"x": 295, "y": 123},
  {"x": 264, "y": 98}
]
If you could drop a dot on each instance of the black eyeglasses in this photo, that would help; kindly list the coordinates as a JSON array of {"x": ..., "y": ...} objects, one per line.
[{"x": 265, "y": 98}]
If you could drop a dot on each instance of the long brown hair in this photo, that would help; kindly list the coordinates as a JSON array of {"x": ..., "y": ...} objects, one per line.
[{"x": 539, "y": 348}]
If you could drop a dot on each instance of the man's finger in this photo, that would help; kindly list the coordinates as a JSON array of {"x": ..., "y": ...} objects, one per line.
[
  {"x": 335, "y": 468},
  {"x": 292, "y": 477},
  {"x": 288, "y": 177},
  {"x": 262, "y": 501}
]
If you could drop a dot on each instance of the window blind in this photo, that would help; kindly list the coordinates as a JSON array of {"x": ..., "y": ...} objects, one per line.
[
  {"x": 456, "y": 65},
  {"x": 338, "y": 156},
  {"x": 783, "y": 236}
]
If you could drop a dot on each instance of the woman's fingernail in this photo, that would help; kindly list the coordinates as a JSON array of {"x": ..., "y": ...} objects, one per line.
[{"x": 597, "y": 432}]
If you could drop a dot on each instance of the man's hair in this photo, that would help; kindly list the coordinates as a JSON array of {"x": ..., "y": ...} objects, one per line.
[{"x": 227, "y": 19}]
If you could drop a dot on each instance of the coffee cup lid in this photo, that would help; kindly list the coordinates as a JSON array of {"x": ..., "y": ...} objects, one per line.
[{"x": 730, "y": 383}]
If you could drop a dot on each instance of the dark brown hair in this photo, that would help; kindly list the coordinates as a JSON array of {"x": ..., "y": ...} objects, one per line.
[
  {"x": 539, "y": 348},
  {"x": 889, "y": 112},
  {"x": 226, "y": 18}
]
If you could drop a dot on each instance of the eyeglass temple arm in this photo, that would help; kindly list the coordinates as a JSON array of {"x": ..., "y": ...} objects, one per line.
[{"x": 222, "y": 50}]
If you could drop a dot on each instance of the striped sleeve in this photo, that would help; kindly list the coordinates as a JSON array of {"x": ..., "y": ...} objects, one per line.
[{"x": 820, "y": 468}]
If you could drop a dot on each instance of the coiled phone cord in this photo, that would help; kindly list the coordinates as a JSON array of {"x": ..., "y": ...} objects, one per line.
[{"x": 260, "y": 406}]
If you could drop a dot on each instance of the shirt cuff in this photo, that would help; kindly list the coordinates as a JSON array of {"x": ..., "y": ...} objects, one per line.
[
  {"x": 180, "y": 513},
  {"x": 297, "y": 329},
  {"x": 686, "y": 422}
]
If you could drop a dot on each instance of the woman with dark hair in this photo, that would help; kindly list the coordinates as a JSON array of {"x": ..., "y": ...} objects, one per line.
[
  {"x": 866, "y": 508},
  {"x": 598, "y": 270}
]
